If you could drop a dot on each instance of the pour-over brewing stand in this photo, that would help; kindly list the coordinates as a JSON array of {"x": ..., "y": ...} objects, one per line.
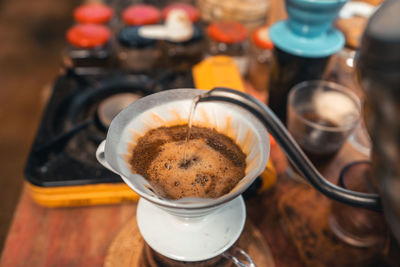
[{"x": 187, "y": 229}]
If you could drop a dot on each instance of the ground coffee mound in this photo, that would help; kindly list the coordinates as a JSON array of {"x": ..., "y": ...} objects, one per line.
[{"x": 214, "y": 164}]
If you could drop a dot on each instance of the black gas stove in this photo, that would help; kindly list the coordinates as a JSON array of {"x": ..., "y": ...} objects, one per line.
[{"x": 75, "y": 121}]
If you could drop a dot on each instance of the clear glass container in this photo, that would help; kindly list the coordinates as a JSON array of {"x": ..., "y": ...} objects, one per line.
[
  {"x": 356, "y": 226},
  {"x": 250, "y": 13},
  {"x": 229, "y": 38},
  {"x": 136, "y": 53},
  {"x": 89, "y": 48},
  {"x": 183, "y": 55},
  {"x": 341, "y": 70}
]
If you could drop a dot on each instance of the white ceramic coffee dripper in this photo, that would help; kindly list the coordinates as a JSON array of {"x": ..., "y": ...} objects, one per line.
[{"x": 186, "y": 229}]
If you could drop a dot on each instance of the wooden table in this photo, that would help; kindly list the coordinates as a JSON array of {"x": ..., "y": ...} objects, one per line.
[{"x": 81, "y": 236}]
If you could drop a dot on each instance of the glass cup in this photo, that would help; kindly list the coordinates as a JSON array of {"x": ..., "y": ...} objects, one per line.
[
  {"x": 321, "y": 117},
  {"x": 342, "y": 71},
  {"x": 357, "y": 226}
]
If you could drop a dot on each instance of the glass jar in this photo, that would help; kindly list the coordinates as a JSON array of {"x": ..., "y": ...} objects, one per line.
[
  {"x": 136, "y": 53},
  {"x": 89, "y": 48},
  {"x": 93, "y": 13},
  {"x": 250, "y": 13},
  {"x": 260, "y": 59},
  {"x": 229, "y": 38},
  {"x": 183, "y": 55},
  {"x": 341, "y": 70}
]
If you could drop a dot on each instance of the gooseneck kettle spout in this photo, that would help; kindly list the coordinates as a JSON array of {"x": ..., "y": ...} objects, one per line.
[{"x": 291, "y": 148}]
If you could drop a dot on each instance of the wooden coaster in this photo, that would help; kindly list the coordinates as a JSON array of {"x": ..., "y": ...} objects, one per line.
[{"x": 129, "y": 249}]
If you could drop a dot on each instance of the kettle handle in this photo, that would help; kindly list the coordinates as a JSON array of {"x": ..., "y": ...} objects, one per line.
[{"x": 291, "y": 148}]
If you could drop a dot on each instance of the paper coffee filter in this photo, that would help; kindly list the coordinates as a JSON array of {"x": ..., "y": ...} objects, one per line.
[{"x": 171, "y": 108}]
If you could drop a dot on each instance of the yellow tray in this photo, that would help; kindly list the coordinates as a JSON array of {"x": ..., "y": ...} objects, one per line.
[
  {"x": 98, "y": 194},
  {"x": 82, "y": 195}
]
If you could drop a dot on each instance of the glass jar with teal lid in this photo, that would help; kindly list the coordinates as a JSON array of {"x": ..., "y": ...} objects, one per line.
[{"x": 303, "y": 45}]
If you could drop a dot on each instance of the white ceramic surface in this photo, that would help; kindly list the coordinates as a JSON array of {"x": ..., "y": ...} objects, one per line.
[{"x": 191, "y": 239}]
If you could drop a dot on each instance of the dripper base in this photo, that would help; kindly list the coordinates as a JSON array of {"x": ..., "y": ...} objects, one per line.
[{"x": 191, "y": 239}]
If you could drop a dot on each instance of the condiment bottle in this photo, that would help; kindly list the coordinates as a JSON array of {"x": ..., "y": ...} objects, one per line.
[
  {"x": 89, "y": 48},
  {"x": 93, "y": 13},
  {"x": 303, "y": 45},
  {"x": 136, "y": 53},
  {"x": 229, "y": 38},
  {"x": 260, "y": 59},
  {"x": 184, "y": 54}
]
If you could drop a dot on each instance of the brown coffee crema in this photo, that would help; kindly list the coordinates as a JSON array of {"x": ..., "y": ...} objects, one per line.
[{"x": 213, "y": 165}]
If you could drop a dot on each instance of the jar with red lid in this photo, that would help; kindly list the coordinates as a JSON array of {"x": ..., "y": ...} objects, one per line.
[
  {"x": 89, "y": 48},
  {"x": 229, "y": 38},
  {"x": 136, "y": 53},
  {"x": 93, "y": 13},
  {"x": 260, "y": 59},
  {"x": 141, "y": 14}
]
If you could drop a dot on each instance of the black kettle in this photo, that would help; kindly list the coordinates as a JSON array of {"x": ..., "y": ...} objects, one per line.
[{"x": 378, "y": 72}]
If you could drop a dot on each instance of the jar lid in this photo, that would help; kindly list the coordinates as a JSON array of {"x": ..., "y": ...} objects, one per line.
[
  {"x": 189, "y": 9},
  {"x": 227, "y": 32},
  {"x": 261, "y": 38},
  {"x": 308, "y": 30},
  {"x": 93, "y": 13},
  {"x": 88, "y": 35},
  {"x": 129, "y": 37},
  {"x": 197, "y": 36},
  {"x": 142, "y": 14}
]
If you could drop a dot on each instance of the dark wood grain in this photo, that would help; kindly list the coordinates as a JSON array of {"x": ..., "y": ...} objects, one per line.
[
  {"x": 81, "y": 236},
  {"x": 62, "y": 237}
]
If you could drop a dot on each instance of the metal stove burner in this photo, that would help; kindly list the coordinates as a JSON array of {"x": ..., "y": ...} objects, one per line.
[
  {"x": 76, "y": 119},
  {"x": 110, "y": 107},
  {"x": 98, "y": 107}
]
